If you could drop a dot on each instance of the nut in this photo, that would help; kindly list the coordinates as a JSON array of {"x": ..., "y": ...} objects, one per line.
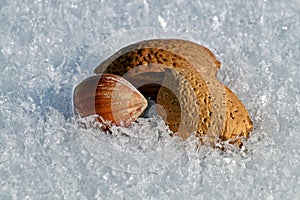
[{"x": 109, "y": 96}]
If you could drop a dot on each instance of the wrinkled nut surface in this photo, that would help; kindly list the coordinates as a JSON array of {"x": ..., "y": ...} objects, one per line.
[
  {"x": 181, "y": 76},
  {"x": 109, "y": 96},
  {"x": 185, "y": 101}
]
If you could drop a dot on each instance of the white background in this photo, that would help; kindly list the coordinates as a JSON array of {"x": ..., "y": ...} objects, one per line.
[{"x": 43, "y": 45}]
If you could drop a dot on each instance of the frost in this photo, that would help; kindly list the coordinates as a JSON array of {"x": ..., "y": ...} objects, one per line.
[{"x": 48, "y": 47}]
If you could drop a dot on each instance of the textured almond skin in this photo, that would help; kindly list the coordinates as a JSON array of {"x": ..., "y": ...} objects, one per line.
[
  {"x": 109, "y": 96},
  {"x": 238, "y": 122},
  {"x": 173, "y": 53},
  {"x": 221, "y": 117},
  {"x": 186, "y": 102}
]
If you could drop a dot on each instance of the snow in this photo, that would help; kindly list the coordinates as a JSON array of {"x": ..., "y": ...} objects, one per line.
[{"x": 48, "y": 47}]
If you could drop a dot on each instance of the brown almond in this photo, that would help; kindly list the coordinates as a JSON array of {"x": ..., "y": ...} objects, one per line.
[{"x": 145, "y": 65}]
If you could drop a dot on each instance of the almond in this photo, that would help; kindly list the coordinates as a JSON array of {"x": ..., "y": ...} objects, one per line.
[{"x": 220, "y": 114}]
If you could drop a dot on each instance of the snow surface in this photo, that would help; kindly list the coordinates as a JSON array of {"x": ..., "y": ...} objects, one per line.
[{"x": 47, "y": 47}]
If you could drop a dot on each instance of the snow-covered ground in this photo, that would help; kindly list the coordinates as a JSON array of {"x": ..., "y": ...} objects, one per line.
[{"x": 48, "y": 47}]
